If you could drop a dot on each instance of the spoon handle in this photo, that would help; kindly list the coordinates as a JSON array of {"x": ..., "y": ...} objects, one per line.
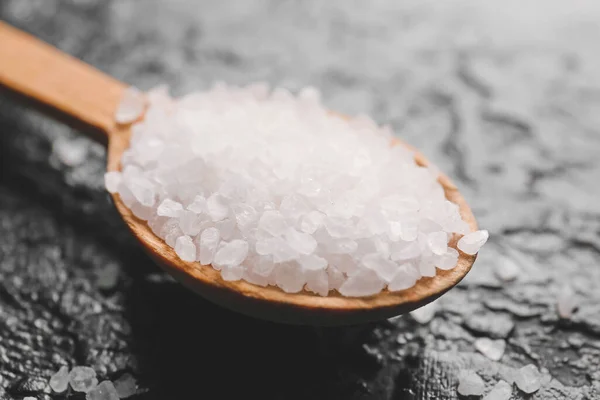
[{"x": 57, "y": 83}]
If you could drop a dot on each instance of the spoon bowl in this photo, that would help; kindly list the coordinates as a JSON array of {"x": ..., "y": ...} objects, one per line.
[{"x": 84, "y": 97}]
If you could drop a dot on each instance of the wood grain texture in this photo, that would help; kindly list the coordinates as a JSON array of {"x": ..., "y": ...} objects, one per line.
[{"x": 57, "y": 83}]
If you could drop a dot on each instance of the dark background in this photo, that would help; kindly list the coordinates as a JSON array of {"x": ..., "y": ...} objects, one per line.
[{"x": 501, "y": 98}]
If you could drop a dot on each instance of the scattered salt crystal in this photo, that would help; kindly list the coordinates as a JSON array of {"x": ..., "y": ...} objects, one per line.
[
  {"x": 470, "y": 384},
  {"x": 83, "y": 379},
  {"x": 131, "y": 106},
  {"x": 112, "y": 180},
  {"x": 566, "y": 304},
  {"x": 528, "y": 379},
  {"x": 71, "y": 152},
  {"x": 185, "y": 248},
  {"x": 306, "y": 199},
  {"x": 231, "y": 254},
  {"x": 472, "y": 242},
  {"x": 104, "y": 391},
  {"x": 363, "y": 283},
  {"x": 60, "y": 380},
  {"x": 209, "y": 241},
  {"x": 492, "y": 349},
  {"x": 125, "y": 386},
  {"x": 507, "y": 270},
  {"x": 424, "y": 314},
  {"x": 501, "y": 391}
]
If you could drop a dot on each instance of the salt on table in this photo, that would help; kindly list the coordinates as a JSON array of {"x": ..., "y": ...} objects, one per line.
[
  {"x": 424, "y": 314},
  {"x": 528, "y": 379},
  {"x": 83, "y": 379},
  {"x": 60, "y": 380},
  {"x": 470, "y": 384},
  {"x": 501, "y": 391},
  {"x": 125, "y": 386},
  {"x": 104, "y": 391},
  {"x": 492, "y": 349}
]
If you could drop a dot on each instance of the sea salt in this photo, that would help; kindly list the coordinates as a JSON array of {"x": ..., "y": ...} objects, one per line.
[
  {"x": 528, "y": 379},
  {"x": 125, "y": 386},
  {"x": 492, "y": 349},
  {"x": 60, "y": 380},
  {"x": 470, "y": 384},
  {"x": 104, "y": 391},
  {"x": 501, "y": 391},
  {"x": 425, "y": 314},
  {"x": 274, "y": 189},
  {"x": 472, "y": 242},
  {"x": 83, "y": 379}
]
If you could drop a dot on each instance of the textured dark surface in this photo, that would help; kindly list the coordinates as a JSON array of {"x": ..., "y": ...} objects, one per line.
[{"x": 75, "y": 289}]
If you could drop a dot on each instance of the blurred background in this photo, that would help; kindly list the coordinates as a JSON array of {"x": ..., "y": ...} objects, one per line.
[{"x": 503, "y": 96}]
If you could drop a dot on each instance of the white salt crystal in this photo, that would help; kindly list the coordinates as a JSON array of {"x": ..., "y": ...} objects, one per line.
[
  {"x": 364, "y": 283},
  {"x": 185, "y": 248},
  {"x": 302, "y": 242},
  {"x": 342, "y": 246},
  {"x": 506, "y": 269},
  {"x": 448, "y": 260},
  {"x": 272, "y": 222},
  {"x": 131, "y": 106},
  {"x": 385, "y": 268},
  {"x": 112, "y": 180},
  {"x": 217, "y": 207},
  {"x": 501, "y": 391},
  {"x": 232, "y": 254},
  {"x": 104, "y": 391},
  {"x": 83, "y": 379},
  {"x": 406, "y": 276},
  {"x": 472, "y": 242},
  {"x": 470, "y": 384},
  {"x": 492, "y": 349},
  {"x": 318, "y": 282},
  {"x": 319, "y": 201},
  {"x": 424, "y": 314},
  {"x": 232, "y": 273},
  {"x": 408, "y": 252},
  {"x": 528, "y": 379},
  {"x": 125, "y": 386},
  {"x": 311, "y": 222},
  {"x": 190, "y": 223},
  {"x": 566, "y": 304},
  {"x": 290, "y": 277},
  {"x": 198, "y": 205},
  {"x": 312, "y": 262},
  {"x": 245, "y": 216},
  {"x": 209, "y": 242},
  {"x": 60, "y": 380},
  {"x": 438, "y": 242}
]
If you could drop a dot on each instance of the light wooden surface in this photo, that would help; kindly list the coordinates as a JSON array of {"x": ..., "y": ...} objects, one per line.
[{"x": 78, "y": 93}]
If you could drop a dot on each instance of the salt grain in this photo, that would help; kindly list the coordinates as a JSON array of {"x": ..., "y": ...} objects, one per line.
[
  {"x": 472, "y": 242},
  {"x": 424, "y": 314},
  {"x": 125, "y": 386},
  {"x": 492, "y": 349},
  {"x": 272, "y": 188},
  {"x": 470, "y": 384},
  {"x": 104, "y": 391},
  {"x": 528, "y": 379},
  {"x": 83, "y": 379},
  {"x": 60, "y": 380},
  {"x": 501, "y": 391}
]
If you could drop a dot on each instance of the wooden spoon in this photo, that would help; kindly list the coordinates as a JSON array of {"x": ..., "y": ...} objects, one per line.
[{"x": 82, "y": 96}]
